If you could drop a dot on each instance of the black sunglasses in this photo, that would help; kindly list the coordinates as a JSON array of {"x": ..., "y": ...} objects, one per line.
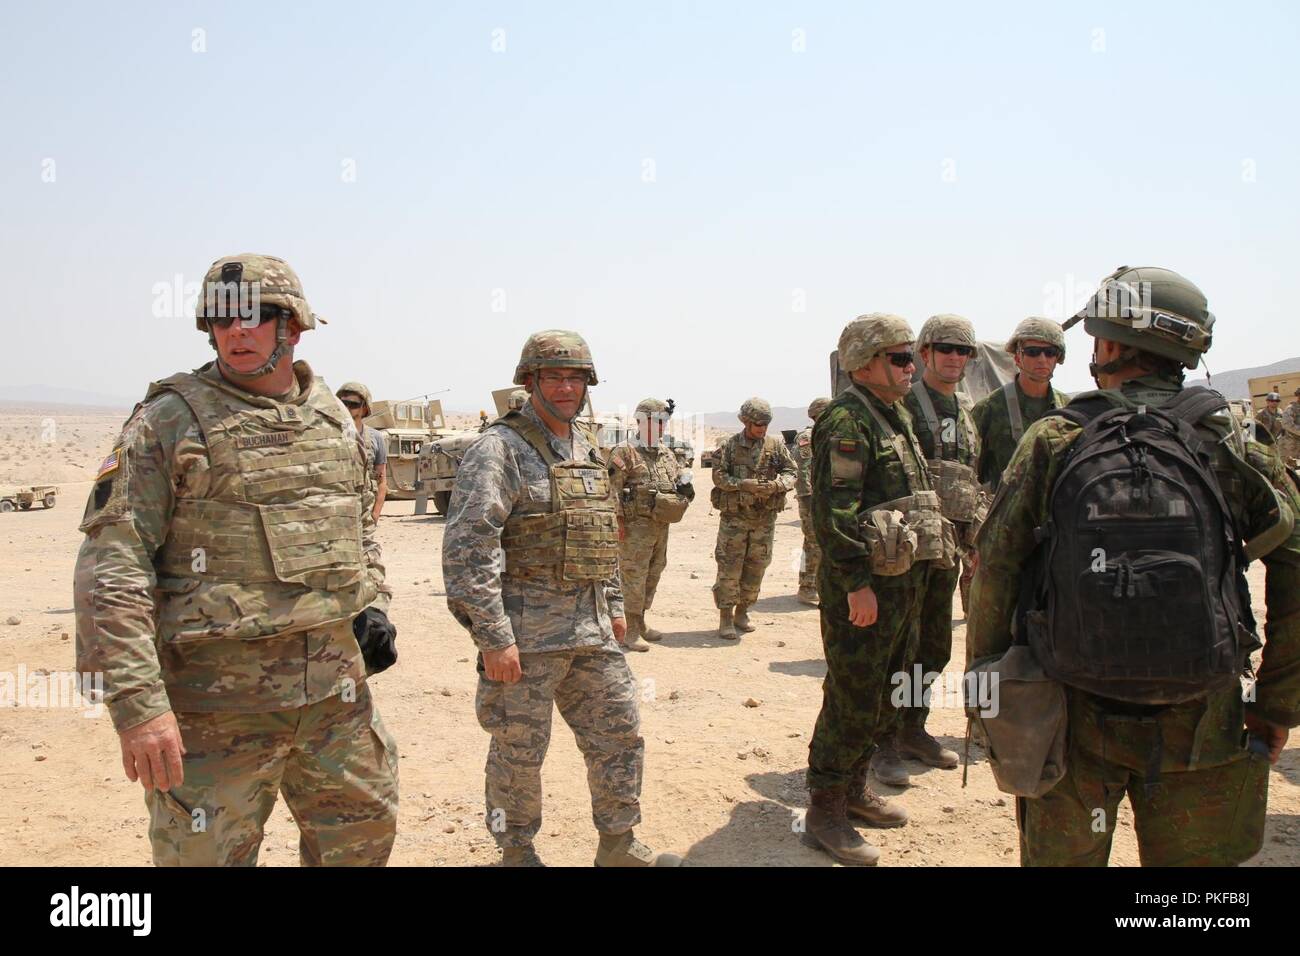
[
  {"x": 267, "y": 313},
  {"x": 900, "y": 359},
  {"x": 947, "y": 348},
  {"x": 1033, "y": 351},
  {"x": 353, "y": 402}
]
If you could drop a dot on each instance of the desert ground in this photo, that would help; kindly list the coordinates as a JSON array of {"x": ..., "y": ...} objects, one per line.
[{"x": 723, "y": 780}]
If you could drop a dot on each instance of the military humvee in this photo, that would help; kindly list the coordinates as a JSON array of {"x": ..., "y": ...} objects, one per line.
[
  {"x": 407, "y": 427},
  {"x": 24, "y": 497}
]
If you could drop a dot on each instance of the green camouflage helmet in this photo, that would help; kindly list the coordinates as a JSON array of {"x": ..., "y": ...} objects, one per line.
[
  {"x": 755, "y": 411},
  {"x": 817, "y": 406},
  {"x": 518, "y": 398},
  {"x": 356, "y": 388},
  {"x": 868, "y": 335},
  {"x": 649, "y": 407},
  {"x": 1151, "y": 309},
  {"x": 948, "y": 328},
  {"x": 555, "y": 348},
  {"x": 269, "y": 279},
  {"x": 1036, "y": 327}
]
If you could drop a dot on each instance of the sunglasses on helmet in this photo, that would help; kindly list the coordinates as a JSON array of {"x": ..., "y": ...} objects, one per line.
[
  {"x": 1034, "y": 351},
  {"x": 267, "y": 313},
  {"x": 947, "y": 348}
]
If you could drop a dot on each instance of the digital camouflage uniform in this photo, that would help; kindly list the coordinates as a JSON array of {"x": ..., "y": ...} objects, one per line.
[
  {"x": 956, "y": 441},
  {"x": 644, "y": 483},
  {"x": 1205, "y": 804},
  {"x": 229, "y": 545},
  {"x": 748, "y": 523},
  {"x": 518, "y": 571}
]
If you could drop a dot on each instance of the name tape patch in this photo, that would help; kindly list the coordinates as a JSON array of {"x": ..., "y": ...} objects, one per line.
[{"x": 264, "y": 441}]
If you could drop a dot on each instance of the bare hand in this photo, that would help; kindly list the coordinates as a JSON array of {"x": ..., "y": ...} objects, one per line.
[
  {"x": 1271, "y": 734},
  {"x": 503, "y": 665},
  {"x": 862, "y": 607},
  {"x": 620, "y": 628},
  {"x": 750, "y": 486},
  {"x": 151, "y": 753},
  {"x": 622, "y": 528}
]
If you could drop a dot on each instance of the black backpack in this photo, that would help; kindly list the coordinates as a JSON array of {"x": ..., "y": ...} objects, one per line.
[{"x": 1138, "y": 591}]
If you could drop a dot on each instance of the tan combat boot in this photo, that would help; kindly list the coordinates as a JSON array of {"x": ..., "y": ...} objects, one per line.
[
  {"x": 650, "y": 633},
  {"x": 827, "y": 828},
  {"x": 888, "y": 765},
  {"x": 808, "y": 596},
  {"x": 865, "y": 804},
  {"x": 624, "y": 849},
  {"x": 914, "y": 741},
  {"x": 632, "y": 640},
  {"x": 742, "y": 618},
  {"x": 726, "y": 627},
  {"x": 520, "y": 856}
]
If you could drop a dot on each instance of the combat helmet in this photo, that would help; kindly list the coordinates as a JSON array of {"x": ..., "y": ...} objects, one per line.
[
  {"x": 946, "y": 328},
  {"x": 356, "y": 388},
  {"x": 518, "y": 398},
  {"x": 1036, "y": 327},
  {"x": 651, "y": 407},
  {"x": 1151, "y": 309},
  {"x": 868, "y": 335},
  {"x": 555, "y": 348},
  {"x": 817, "y": 406},
  {"x": 755, "y": 411},
  {"x": 247, "y": 281},
  {"x": 1272, "y": 397}
]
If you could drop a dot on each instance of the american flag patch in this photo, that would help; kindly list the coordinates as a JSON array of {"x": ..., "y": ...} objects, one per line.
[{"x": 110, "y": 463}]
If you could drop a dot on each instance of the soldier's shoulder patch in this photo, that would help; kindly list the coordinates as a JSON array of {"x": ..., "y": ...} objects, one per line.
[
  {"x": 110, "y": 464},
  {"x": 846, "y": 446}
]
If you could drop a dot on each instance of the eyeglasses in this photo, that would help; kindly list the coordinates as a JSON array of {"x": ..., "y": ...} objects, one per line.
[
  {"x": 947, "y": 348},
  {"x": 267, "y": 313},
  {"x": 900, "y": 359},
  {"x": 1034, "y": 351},
  {"x": 572, "y": 381},
  {"x": 353, "y": 402}
]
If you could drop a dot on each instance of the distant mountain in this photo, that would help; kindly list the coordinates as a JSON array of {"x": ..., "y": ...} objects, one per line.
[
  {"x": 58, "y": 395},
  {"x": 782, "y": 419},
  {"x": 1233, "y": 384}
]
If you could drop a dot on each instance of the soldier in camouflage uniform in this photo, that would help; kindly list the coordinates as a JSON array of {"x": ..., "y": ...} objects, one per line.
[
  {"x": 1197, "y": 790},
  {"x": 651, "y": 496},
  {"x": 229, "y": 555},
  {"x": 803, "y": 491},
  {"x": 1288, "y": 442},
  {"x": 877, "y": 524},
  {"x": 530, "y": 564},
  {"x": 516, "y": 400},
  {"x": 943, "y": 427},
  {"x": 1039, "y": 347},
  {"x": 1270, "y": 418},
  {"x": 752, "y": 472},
  {"x": 356, "y": 399}
]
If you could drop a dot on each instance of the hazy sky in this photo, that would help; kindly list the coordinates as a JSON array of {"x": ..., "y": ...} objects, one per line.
[{"x": 707, "y": 191}]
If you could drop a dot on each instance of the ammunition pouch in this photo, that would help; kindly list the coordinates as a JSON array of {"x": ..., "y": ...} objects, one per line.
[
  {"x": 890, "y": 542},
  {"x": 669, "y": 508},
  {"x": 1021, "y": 721},
  {"x": 958, "y": 488},
  {"x": 577, "y": 542}
]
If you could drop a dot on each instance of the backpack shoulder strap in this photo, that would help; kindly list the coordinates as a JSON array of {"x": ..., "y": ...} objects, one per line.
[
  {"x": 1194, "y": 403},
  {"x": 1013, "y": 410}
]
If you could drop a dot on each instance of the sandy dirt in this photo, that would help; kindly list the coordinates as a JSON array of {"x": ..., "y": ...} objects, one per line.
[{"x": 723, "y": 781}]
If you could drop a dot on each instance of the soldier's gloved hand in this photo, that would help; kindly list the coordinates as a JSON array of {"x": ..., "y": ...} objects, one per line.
[
  {"x": 750, "y": 486},
  {"x": 1271, "y": 734},
  {"x": 503, "y": 665},
  {"x": 377, "y": 638},
  {"x": 863, "y": 607},
  {"x": 152, "y": 751}
]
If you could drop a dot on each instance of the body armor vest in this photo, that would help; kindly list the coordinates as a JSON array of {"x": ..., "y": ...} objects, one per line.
[
  {"x": 575, "y": 538},
  {"x": 764, "y": 469},
  {"x": 956, "y": 483},
  {"x": 646, "y": 483},
  {"x": 275, "y": 546}
]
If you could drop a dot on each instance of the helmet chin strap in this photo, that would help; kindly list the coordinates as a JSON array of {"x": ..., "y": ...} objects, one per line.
[{"x": 281, "y": 349}]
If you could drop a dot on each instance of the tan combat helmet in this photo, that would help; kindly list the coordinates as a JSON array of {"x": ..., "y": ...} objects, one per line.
[
  {"x": 555, "y": 348},
  {"x": 755, "y": 411},
  {"x": 817, "y": 406},
  {"x": 518, "y": 398},
  {"x": 654, "y": 407},
  {"x": 948, "y": 328},
  {"x": 1153, "y": 310},
  {"x": 355, "y": 388},
  {"x": 1036, "y": 327},
  {"x": 242, "y": 283},
  {"x": 868, "y": 335}
]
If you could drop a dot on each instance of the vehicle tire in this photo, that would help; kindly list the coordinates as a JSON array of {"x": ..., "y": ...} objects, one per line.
[
  {"x": 6, "y": 506},
  {"x": 48, "y": 500},
  {"x": 442, "y": 501},
  {"x": 25, "y": 505}
]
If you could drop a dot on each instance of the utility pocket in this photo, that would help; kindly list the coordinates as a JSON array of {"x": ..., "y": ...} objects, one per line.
[{"x": 315, "y": 542}]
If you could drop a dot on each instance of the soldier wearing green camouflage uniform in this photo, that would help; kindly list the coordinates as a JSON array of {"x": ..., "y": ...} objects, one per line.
[
  {"x": 803, "y": 491},
  {"x": 752, "y": 473},
  {"x": 1000, "y": 421},
  {"x": 530, "y": 564},
  {"x": 878, "y": 526},
  {"x": 651, "y": 497},
  {"x": 229, "y": 548},
  {"x": 1198, "y": 792},
  {"x": 942, "y": 423}
]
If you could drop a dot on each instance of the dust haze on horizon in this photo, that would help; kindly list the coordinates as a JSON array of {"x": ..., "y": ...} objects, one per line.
[{"x": 707, "y": 194}]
